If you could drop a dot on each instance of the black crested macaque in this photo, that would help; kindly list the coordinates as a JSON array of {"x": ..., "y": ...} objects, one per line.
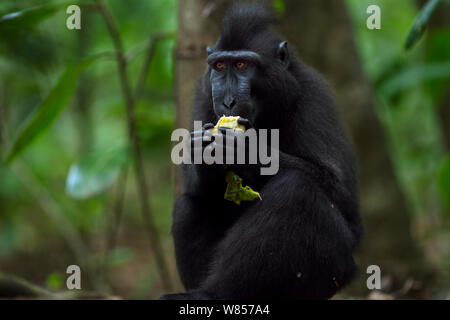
[{"x": 297, "y": 242}]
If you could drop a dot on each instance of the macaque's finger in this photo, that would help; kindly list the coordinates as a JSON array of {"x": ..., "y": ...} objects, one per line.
[
  {"x": 231, "y": 137},
  {"x": 210, "y": 147},
  {"x": 204, "y": 135},
  {"x": 197, "y": 139},
  {"x": 207, "y": 133},
  {"x": 245, "y": 122},
  {"x": 200, "y": 142},
  {"x": 208, "y": 125},
  {"x": 224, "y": 130},
  {"x": 230, "y": 132},
  {"x": 207, "y": 138},
  {"x": 231, "y": 140},
  {"x": 197, "y": 133}
]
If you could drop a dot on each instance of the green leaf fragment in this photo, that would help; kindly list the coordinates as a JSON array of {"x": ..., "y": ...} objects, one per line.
[
  {"x": 235, "y": 192},
  {"x": 417, "y": 30}
]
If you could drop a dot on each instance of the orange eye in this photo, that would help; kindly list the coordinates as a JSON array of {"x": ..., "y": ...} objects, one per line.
[
  {"x": 241, "y": 65},
  {"x": 220, "y": 65}
]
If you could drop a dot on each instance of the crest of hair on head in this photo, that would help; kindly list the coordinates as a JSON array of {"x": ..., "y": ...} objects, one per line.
[{"x": 242, "y": 22}]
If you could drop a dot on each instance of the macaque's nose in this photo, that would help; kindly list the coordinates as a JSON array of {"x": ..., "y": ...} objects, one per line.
[{"x": 229, "y": 101}]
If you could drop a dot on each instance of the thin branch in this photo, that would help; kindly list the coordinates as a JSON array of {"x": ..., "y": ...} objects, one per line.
[
  {"x": 118, "y": 207},
  {"x": 14, "y": 287},
  {"x": 152, "y": 44},
  {"x": 137, "y": 155},
  {"x": 115, "y": 218}
]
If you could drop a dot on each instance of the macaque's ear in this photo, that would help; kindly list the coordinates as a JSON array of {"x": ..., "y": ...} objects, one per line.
[
  {"x": 283, "y": 53},
  {"x": 209, "y": 50}
]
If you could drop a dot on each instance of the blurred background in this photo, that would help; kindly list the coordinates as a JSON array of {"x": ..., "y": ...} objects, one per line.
[{"x": 86, "y": 117}]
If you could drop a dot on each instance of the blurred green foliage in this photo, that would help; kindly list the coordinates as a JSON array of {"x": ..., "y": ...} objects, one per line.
[
  {"x": 44, "y": 128},
  {"x": 49, "y": 109},
  {"x": 55, "y": 281},
  {"x": 411, "y": 87}
]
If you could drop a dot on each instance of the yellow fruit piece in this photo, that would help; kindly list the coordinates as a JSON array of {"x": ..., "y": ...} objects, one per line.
[{"x": 228, "y": 122}]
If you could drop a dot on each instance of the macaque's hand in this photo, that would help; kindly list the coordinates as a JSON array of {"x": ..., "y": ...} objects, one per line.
[
  {"x": 200, "y": 139},
  {"x": 236, "y": 148}
]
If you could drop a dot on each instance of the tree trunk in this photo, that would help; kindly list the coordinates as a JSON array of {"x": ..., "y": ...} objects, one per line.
[{"x": 198, "y": 27}]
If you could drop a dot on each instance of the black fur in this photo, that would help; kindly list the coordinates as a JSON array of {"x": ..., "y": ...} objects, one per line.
[{"x": 298, "y": 241}]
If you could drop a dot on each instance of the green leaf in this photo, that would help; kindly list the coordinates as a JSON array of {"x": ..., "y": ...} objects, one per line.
[
  {"x": 42, "y": 118},
  {"x": 21, "y": 39},
  {"x": 412, "y": 76},
  {"x": 419, "y": 26},
  {"x": 28, "y": 17},
  {"x": 95, "y": 172}
]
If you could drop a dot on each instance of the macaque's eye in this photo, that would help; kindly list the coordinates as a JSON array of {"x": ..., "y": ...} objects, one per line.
[
  {"x": 241, "y": 65},
  {"x": 220, "y": 65}
]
